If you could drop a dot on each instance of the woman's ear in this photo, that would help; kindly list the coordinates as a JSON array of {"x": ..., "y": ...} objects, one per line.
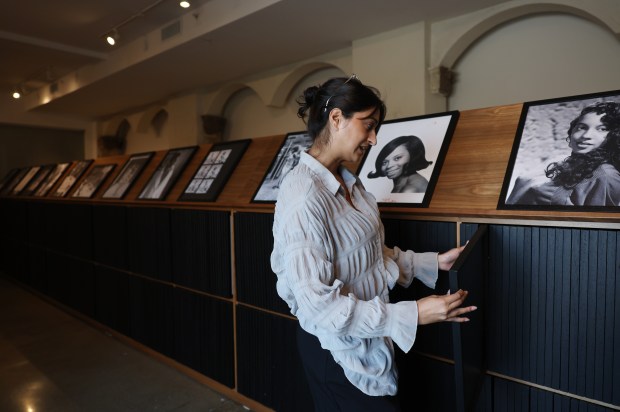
[{"x": 335, "y": 118}]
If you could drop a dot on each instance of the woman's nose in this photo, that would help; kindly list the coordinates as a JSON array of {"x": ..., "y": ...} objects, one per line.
[{"x": 372, "y": 138}]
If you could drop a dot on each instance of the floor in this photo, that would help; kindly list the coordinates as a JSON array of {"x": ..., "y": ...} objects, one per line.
[{"x": 51, "y": 361}]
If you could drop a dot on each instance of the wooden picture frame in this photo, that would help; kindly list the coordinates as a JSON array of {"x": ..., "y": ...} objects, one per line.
[
  {"x": 563, "y": 155},
  {"x": 214, "y": 171},
  {"x": 403, "y": 167}
]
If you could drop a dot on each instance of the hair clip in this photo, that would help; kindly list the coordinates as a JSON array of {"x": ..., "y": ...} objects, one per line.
[{"x": 352, "y": 77}]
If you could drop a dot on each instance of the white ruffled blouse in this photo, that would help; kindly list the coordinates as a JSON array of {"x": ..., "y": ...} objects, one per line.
[{"x": 335, "y": 272}]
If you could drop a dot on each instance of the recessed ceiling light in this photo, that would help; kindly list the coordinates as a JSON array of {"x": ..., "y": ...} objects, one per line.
[{"x": 184, "y": 4}]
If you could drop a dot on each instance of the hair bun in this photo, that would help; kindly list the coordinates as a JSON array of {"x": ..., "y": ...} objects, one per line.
[{"x": 308, "y": 99}]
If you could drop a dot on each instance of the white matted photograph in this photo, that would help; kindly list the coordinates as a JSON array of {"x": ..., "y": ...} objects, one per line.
[{"x": 403, "y": 167}]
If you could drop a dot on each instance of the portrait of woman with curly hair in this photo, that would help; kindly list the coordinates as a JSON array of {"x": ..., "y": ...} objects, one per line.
[{"x": 590, "y": 175}]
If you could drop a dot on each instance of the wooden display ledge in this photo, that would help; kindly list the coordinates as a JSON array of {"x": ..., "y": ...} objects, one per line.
[{"x": 468, "y": 187}]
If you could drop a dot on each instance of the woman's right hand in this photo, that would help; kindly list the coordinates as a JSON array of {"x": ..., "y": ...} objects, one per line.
[{"x": 436, "y": 308}]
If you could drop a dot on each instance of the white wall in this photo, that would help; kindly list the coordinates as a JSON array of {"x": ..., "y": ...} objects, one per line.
[
  {"x": 529, "y": 57},
  {"x": 248, "y": 117},
  {"x": 534, "y": 58}
]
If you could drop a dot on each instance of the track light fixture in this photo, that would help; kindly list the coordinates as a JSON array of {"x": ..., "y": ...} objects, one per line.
[{"x": 112, "y": 37}]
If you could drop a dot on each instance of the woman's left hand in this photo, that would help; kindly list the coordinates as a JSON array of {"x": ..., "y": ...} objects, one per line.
[{"x": 447, "y": 259}]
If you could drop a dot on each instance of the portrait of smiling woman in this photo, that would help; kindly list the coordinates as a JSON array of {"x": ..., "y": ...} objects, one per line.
[
  {"x": 400, "y": 161},
  {"x": 589, "y": 176}
]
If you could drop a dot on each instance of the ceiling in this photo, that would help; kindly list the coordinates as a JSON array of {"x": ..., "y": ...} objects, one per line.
[{"x": 41, "y": 41}]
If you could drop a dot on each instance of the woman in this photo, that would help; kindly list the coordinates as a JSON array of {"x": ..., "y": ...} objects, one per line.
[
  {"x": 589, "y": 176},
  {"x": 399, "y": 161},
  {"x": 333, "y": 268}
]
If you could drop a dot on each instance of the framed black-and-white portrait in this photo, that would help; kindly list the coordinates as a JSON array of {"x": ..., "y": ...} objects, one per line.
[
  {"x": 51, "y": 179},
  {"x": 36, "y": 181},
  {"x": 167, "y": 173},
  {"x": 72, "y": 176},
  {"x": 127, "y": 176},
  {"x": 286, "y": 159},
  {"x": 214, "y": 171},
  {"x": 93, "y": 180},
  {"x": 8, "y": 177},
  {"x": 21, "y": 185},
  {"x": 15, "y": 178},
  {"x": 403, "y": 167},
  {"x": 566, "y": 155}
]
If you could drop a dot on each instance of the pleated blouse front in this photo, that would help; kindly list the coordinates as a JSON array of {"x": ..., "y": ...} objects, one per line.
[{"x": 335, "y": 273}]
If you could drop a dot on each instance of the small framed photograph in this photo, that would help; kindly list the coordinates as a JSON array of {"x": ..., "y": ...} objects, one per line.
[
  {"x": 214, "y": 171},
  {"x": 566, "y": 155},
  {"x": 72, "y": 176},
  {"x": 36, "y": 181},
  {"x": 286, "y": 159},
  {"x": 8, "y": 178},
  {"x": 403, "y": 167},
  {"x": 167, "y": 173},
  {"x": 21, "y": 185},
  {"x": 93, "y": 180},
  {"x": 15, "y": 178},
  {"x": 51, "y": 179},
  {"x": 127, "y": 176}
]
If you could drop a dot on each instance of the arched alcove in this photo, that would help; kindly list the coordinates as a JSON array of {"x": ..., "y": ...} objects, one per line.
[
  {"x": 247, "y": 115},
  {"x": 536, "y": 57},
  {"x": 463, "y": 41}
]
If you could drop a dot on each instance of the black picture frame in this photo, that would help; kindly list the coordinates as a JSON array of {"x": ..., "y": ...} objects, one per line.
[
  {"x": 214, "y": 171},
  {"x": 542, "y": 140},
  {"x": 15, "y": 179},
  {"x": 71, "y": 177},
  {"x": 93, "y": 180},
  {"x": 21, "y": 185},
  {"x": 51, "y": 179},
  {"x": 127, "y": 176},
  {"x": 286, "y": 159},
  {"x": 469, "y": 272},
  {"x": 37, "y": 180},
  {"x": 8, "y": 177},
  {"x": 434, "y": 132},
  {"x": 167, "y": 173}
]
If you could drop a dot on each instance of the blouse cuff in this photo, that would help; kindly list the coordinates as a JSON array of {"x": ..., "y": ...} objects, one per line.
[
  {"x": 403, "y": 323},
  {"x": 426, "y": 268}
]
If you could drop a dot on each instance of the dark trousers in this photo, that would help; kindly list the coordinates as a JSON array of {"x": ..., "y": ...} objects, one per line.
[{"x": 331, "y": 390}]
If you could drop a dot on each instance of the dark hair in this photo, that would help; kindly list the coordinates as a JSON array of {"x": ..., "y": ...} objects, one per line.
[
  {"x": 417, "y": 155},
  {"x": 577, "y": 167},
  {"x": 347, "y": 94}
]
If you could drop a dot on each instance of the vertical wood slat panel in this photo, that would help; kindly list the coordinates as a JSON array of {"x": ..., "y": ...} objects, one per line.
[
  {"x": 203, "y": 335},
  {"x": 611, "y": 374},
  {"x": 201, "y": 250},
  {"x": 256, "y": 282},
  {"x": 270, "y": 370},
  {"x": 110, "y": 235},
  {"x": 148, "y": 234},
  {"x": 571, "y": 313}
]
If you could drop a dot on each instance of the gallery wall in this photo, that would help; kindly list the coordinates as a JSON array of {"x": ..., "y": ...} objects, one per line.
[{"x": 530, "y": 56}]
